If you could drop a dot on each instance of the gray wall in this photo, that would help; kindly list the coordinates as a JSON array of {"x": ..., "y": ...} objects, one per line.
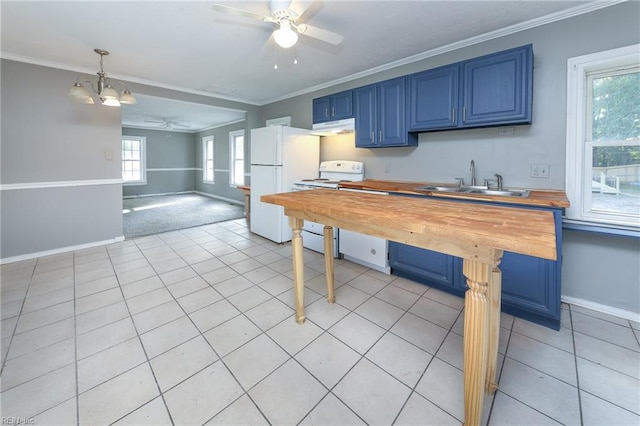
[
  {"x": 442, "y": 156},
  {"x": 221, "y": 157},
  {"x": 58, "y": 189},
  {"x": 170, "y": 162}
]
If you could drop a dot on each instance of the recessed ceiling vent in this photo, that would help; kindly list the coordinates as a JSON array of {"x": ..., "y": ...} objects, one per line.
[{"x": 225, "y": 91}]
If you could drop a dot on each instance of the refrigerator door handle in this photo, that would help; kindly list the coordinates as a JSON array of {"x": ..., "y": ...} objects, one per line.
[
  {"x": 277, "y": 152},
  {"x": 277, "y": 179}
]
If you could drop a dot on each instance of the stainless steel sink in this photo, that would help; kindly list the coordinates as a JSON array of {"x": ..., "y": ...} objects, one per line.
[
  {"x": 521, "y": 193},
  {"x": 442, "y": 188}
]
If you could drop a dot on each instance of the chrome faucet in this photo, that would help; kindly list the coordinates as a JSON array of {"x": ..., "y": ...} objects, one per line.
[
  {"x": 473, "y": 173},
  {"x": 499, "y": 178}
]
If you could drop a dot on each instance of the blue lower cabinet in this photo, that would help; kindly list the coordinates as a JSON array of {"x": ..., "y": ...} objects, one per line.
[
  {"x": 426, "y": 266},
  {"x": 530, "y": 285},
  {"x": 531, "y": 288}
]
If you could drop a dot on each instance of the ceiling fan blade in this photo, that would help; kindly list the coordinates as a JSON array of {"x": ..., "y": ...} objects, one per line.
[
  {"x": 299, "y": 6},
  {"x": 239, "y": 12},
  {"x": 320, "y": 34},
  {"x": 155, "y": 121}
]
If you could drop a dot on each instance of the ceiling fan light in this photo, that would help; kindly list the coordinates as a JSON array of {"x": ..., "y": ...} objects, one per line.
[
  {"x": 127, "y": 98},
  {"x": 285, "y": 36}
]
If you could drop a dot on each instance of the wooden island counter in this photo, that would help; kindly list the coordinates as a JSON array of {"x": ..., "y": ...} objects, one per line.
[{"x": 477, "y": 233}]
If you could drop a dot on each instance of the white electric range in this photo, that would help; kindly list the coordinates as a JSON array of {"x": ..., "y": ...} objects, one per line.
[{"x": 331, "y": 173}]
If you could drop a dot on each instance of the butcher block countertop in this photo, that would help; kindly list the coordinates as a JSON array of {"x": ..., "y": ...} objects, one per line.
[
  {"x": 524, "y": 231},
  {"x": 541, "y": 198}
]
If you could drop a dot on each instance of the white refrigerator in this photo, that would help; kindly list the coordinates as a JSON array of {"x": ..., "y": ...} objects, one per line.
[{"x": 280, "y": 155}]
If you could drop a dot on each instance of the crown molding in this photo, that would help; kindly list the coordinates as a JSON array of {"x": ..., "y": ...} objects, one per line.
[
  {"x": 128, "y": 79},
  {"x": 502, "y": 32}
]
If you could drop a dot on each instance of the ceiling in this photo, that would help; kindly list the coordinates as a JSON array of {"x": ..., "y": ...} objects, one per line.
[{"x": 188, "y": 47}]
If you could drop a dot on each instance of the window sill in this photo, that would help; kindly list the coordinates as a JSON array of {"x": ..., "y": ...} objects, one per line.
[
  {"x": 134, "y": 183},
  {"x": 600, "y": 228}
]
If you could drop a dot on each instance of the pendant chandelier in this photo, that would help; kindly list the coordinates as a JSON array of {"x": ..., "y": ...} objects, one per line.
[{"x": 105, "y": 91}]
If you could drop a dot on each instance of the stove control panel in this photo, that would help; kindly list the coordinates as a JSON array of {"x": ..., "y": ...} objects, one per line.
[{"x": 342, "y": 166}]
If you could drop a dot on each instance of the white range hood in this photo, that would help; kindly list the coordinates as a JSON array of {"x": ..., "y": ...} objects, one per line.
[{"x": 331, "y": 128}]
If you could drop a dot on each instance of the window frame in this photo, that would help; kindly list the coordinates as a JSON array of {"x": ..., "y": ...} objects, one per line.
[
  {"x": 143, "y": 160},
  {"x": 205, "y": 159},
  {"x": 578, "y": 157},
  {"x": 232, "y": 157}
]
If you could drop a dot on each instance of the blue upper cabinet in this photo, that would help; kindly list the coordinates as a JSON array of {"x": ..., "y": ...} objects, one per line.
[
  {"x": 498, "y": 88},
  {"x": 333, "y": 107},
  {"x": 380, "y": 115},
  {"x": 364, "y": 99},
  {"x": 433, "y": 99},
  {"x": 491, "y": 90}
]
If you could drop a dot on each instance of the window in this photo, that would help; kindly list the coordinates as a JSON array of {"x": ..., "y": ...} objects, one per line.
[
  {"x": 133, "y": 160},
  {"x": 603, "y": 138},
  {"x": 236, "y": 148},
  {"x": 207, "y": 159}
]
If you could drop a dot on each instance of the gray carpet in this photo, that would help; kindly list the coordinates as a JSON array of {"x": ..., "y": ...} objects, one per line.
[{"x": 162, "y": 213}]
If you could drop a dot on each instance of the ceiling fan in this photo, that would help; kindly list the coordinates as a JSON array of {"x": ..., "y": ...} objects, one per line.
[
  {"x": 286, "y": 14},
  {"x": 169, "y": 124}
]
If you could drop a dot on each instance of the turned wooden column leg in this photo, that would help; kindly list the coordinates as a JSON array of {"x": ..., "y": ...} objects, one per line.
[
  {"x": 494, "y": 295},
  {"x": 328, "y": 262},
  {"x": 476, "y": 338},
  {"x": 298, "y": 267}
]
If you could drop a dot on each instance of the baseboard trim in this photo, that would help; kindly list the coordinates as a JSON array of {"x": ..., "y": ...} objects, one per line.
[
  {"x": 157, "y": 195},
  {"x": 598, "y": 307},
  {"x": 229, "y": 200},
  {"x": 59, "y": 184},
  {"x": 30, "y": 256}
]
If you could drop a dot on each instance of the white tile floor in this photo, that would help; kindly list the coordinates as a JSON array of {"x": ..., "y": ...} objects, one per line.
[{"x": 197, "y": 326}]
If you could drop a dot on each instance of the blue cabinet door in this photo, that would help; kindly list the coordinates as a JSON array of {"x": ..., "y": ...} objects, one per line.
[
  {"x": 425, "y": 266},
  {"x": 342, "y": 105},
  {"x": 392, "y": 127},
  {"x": 333, "y": 107},
  {"x": 433, "y": 99},
  {"x": 498, "y": 88},
  {"x": 530, "y": 288},
  {"x": 321, "y": 109},
  {"x": 379, "y": 111},
  {"x": 365, "y": 113}
]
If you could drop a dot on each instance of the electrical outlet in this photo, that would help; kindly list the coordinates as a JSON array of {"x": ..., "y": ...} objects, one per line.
[
  {"x": 108, "y": 155},
  {"x": 540, "y": 171},
  {"x": 387, "y": 167}
]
